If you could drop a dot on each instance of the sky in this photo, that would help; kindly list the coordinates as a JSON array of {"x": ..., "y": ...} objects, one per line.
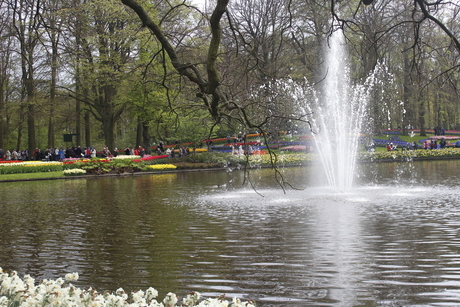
[{"x": 201, "y": 3}]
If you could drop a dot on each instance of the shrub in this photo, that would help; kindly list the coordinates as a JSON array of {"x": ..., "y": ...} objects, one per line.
[
  {"x": 103, "y": 166},
  {"x": 204, "y": 158},
  {"x": 189, "y": 165}
]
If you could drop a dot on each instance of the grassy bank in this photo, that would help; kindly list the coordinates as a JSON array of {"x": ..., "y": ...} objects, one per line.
[
  {"x": 46, "y": 170},
  {"x": 31, "y": 176}
]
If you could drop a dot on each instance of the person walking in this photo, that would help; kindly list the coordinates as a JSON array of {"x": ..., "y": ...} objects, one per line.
[{"x": 93, "y": 152}]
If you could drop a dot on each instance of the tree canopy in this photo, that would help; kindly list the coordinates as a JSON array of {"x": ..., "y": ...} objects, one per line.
[{"x": 137, "y": 72}]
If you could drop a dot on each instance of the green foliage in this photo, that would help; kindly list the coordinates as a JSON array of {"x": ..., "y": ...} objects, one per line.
[
  {"x": 212, "y": 159},
  {"x": 36, "y": 168},
  {"x": 67, "y": 166},
  {"x": 103, "y": 166},
  {"x": 204, "y": 158},
  {"x": 96, "y": 166},
  {"x": 190, "y": 165},
  {"x": 31, "y": 176},
  {"x": 128, "y": 164}
]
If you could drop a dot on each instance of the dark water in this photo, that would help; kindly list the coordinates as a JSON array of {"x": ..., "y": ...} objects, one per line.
[{"x": 393, "y": 240}]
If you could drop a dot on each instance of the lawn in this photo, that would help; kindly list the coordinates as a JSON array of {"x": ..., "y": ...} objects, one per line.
[{"x": 26, "y": 176}]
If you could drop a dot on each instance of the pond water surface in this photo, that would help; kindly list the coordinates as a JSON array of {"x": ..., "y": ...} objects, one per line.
[{"x": 393, "y": 240}]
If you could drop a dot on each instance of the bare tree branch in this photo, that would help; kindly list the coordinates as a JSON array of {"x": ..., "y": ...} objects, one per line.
[{"x": 426, "y": 14}]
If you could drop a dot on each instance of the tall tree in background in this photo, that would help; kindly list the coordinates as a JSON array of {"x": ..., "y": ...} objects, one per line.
[
  {"x": 229, "y": 56},
  {"x": 108, "y": 52},
  {"x": 73, "y": 44},
  {"x": 53, "y": 32},
  {"x": 27, "y": 24},
  {"x": 5, "y": 55},
  {"x": 311, "y": 23},
  {"x": 207, "y": 80}
]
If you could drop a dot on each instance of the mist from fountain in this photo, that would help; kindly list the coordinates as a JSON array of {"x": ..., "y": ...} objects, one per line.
[{"x": 338, "y": 116}]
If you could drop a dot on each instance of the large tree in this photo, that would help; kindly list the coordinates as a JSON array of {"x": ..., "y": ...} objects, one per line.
[
  {"x": 27, "y": 29},
  {"x": 107, "y": 53},
  {"x": 5, "y": 56},
  {"x": 216, "y": 89}
]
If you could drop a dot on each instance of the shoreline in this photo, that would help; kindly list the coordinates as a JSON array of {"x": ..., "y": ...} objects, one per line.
[
  {"x": 88, "y": 176},
  {"x": 115, "y": 175}
]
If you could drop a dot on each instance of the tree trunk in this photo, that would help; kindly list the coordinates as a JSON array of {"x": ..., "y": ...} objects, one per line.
[
  {"x": 87, "y": 129},
  {"x": 407, "y": 88},
  {"x": 78, "y": 119},
  {"x": 139, "y": 132},
  {"x": 146, "y": 137},
  {"x": 31, "y": 127},
  {"x": 78, "y": 76},
  {"x": 30, "y": 114},
  {"x": 108, "y": 127},
  {"x": 2, "y": 112},
  {"x": 50, "y": 131},
  {"x": 54, "y": 66},
  {"x": 422, "y": 117}
]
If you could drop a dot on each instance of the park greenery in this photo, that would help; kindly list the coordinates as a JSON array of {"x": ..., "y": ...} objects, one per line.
[
  {"x": 137, "y": 72},
  {"x": 123, "y": 165}
]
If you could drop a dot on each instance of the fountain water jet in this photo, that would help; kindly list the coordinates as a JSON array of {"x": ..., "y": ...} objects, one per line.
[{"x": 338, "y": 116}]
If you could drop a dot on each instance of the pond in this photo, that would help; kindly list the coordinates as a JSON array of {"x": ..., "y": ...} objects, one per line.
[{"x": 393, "y": 240}]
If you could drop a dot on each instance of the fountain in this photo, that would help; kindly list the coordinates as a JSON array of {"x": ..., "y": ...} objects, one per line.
[{"x": 338, "y": 114}]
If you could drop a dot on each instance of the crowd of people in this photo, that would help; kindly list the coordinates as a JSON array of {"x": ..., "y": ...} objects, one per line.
[
  {"x": 59, "y": 154},
  {"x": 427, "y": 144},
  {"x": 433, "y": 144},
  {"x": 51, "y": 154}
]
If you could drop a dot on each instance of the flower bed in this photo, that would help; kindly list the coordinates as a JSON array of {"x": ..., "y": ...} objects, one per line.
[
  {"x": 18, "y": 292},
  {"x": 161, "y": 166},
  {"x": 253, "y": 143},
  {"x": 404, "y": 155},
  {"x": 150, "y": 158},
  {"x": 30, "y": 167},
  {"x": 121, "y": 157},
  {"x": 74, "y": 172},
  {"x": 209, "y": 160},
  {"x": 294, "y": 148}
]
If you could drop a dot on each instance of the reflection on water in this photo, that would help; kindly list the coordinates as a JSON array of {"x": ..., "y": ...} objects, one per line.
[{"x": 381, "y": 244}]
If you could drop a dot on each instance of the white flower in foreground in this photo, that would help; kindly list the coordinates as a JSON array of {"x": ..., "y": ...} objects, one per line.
[
  {"x": 154, "y": 303},
  {"x": 191, "y": 299},
  {"x": 213, "y": 302},
  {"x": 170, "y": 300},
  {"x": 71, "y": 277},
  {"x": 15, "y": 292},
  {"x": 120, "y": 292},
  {"x": 150, "y": 294},
  {"x": 59, "y": 282},
  {"x": 114, "y": 300},
  {"x": 5, "y": 286},
  {"x": 138, "y": 296},
  {"x": 236, "y": 302},
  {"x": 30, "y": 282}
]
